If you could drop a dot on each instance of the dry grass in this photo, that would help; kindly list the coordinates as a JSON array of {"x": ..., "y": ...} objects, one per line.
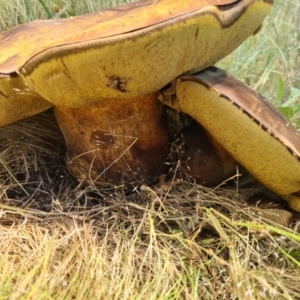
[{"x": 60, "y": 240}]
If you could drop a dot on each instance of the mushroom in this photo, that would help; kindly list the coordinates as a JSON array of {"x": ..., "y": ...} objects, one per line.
[
  {"x": 102, "y": 72},
  {"x": 245, "y": 124}
]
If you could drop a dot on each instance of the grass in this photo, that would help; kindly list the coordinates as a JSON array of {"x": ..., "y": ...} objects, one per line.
[
  {"x": 60, "y": 240},
  {"x": 269, "y": 62}
]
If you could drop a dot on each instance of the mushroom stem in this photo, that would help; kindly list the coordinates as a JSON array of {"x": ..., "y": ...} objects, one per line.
[
  {"x": 115, "y": 140},
  {"x": 204, "y": 159}
]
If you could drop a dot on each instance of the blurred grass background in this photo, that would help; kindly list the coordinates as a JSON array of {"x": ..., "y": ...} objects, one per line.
[{"x": 269, "y": 61}]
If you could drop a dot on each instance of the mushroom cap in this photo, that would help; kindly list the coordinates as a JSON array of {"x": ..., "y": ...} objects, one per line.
[
  {"x": 249, "y": 127},
  {"x": 258, "y": 108},
  {"x": 17, "y": 101},
  {"x": 126, "y": 51},
  {"x": 37, "y": 36}
]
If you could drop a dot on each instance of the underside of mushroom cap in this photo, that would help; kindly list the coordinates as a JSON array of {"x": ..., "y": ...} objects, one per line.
[
  {"x": 17, "y": 101},
  {"x": 160, "y": 40}
]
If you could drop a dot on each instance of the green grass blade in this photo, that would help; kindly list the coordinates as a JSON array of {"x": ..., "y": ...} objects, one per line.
[{"x": 47, "y": 11}]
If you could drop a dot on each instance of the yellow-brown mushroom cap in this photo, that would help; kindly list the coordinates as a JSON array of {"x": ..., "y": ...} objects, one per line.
[
  {"x": 126, "y": 51},
  {"x": 41, "y": 35},
  {"x": 249, "y": 127}
]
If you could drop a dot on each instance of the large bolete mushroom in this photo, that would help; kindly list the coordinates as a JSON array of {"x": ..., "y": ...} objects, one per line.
[
  {"x": 249, "y": 127},
  {"x": 102, "y": 71}
]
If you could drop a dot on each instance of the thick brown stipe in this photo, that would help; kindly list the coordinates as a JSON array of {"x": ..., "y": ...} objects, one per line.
[
  {"x": 204, "y": 159},
  {"x": 116, "y": 141}
]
